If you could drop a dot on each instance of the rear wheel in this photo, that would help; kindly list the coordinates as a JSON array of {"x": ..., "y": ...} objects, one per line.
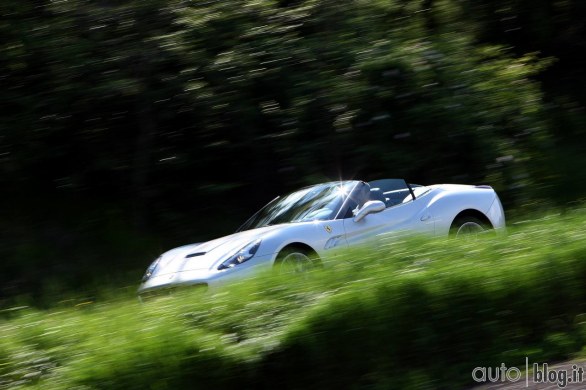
[
  {"x": 296, "y": 260},
  {"x": 468, "y": 227}
]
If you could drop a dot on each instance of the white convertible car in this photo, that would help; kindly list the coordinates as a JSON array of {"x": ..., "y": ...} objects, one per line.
[{"x": 309, "y": 226}]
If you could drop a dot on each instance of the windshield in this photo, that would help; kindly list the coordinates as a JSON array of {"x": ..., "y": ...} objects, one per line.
[{"x": 320, "y": 202}]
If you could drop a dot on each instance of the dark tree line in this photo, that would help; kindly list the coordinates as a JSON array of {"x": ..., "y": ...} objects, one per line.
[{"x": 132, "y": 125}]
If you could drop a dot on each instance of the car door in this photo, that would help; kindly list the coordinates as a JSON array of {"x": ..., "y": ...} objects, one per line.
[{"x": 408, "y": 217}]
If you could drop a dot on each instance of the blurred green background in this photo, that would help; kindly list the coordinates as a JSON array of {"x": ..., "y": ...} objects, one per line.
[{"x": 130, "y": 127}]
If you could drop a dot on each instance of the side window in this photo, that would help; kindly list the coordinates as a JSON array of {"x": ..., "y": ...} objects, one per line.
[
  {"x": 349, "y": 213},
  {"x": 359, "y": 195}
]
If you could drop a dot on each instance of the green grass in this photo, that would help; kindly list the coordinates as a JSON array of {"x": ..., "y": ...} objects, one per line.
[{"x": 414, "y": 313}]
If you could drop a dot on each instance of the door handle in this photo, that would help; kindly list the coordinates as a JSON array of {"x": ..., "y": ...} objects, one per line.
[{"x": 425, "y": 217}]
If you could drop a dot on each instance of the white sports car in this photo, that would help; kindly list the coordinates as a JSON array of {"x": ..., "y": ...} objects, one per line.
[{"x": 309, "y": 226}]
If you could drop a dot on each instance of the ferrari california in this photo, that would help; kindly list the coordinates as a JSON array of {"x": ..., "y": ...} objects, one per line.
[{"x": 308, "y": 227}]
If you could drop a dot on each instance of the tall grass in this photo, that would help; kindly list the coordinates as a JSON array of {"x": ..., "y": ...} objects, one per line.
[{"x": 412, "y": 313}]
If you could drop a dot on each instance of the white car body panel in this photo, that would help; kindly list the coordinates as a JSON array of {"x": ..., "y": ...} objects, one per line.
[
  {"x": 405, "y": 217},
  {"x": 432, "y": 212}
]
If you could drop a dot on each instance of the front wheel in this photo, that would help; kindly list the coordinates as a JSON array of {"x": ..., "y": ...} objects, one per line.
[
  {"x": 295, "y": 260},
  {"x": 467, "y": 227}
]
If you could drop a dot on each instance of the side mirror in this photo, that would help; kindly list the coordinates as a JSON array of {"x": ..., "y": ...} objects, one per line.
[{"x": 370, "y": 207}]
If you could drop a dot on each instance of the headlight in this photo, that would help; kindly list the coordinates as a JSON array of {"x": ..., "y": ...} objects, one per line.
[
  {"x": 243, "y": 255},
  {"x": 151, "y": 270}
]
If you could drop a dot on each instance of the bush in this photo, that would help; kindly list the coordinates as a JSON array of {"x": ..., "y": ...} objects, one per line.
[{"x": 406, "y": 318}]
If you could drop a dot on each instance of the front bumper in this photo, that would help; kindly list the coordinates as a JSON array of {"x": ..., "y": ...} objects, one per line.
[
  {"x": 147, "y": 295},
  {"x": 205, "y": 277}
]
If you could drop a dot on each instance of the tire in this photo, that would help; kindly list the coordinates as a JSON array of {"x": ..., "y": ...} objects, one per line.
[
  {"x": 468, "y": 227},
  {"x": 296, "y": 260}
]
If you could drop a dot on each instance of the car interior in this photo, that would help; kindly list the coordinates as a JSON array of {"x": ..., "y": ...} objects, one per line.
[{"x": 390, "y": 191}]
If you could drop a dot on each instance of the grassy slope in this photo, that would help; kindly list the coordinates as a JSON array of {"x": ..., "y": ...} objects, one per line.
[{"x": 414, "y": 314}]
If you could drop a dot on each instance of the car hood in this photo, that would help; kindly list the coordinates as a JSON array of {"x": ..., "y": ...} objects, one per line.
[{"x": 205, "y": 255}]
